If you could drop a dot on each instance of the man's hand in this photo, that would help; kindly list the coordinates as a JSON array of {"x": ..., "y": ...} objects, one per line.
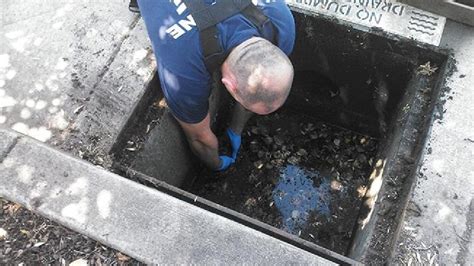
[
  {"x": 235, "y": 141},
  {"x": 226, "y": 162}
]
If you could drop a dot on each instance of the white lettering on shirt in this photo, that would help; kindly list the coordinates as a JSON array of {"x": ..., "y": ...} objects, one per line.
[
  {"x": 185, "y": 25},
  {"x": 175, "y": 31}
]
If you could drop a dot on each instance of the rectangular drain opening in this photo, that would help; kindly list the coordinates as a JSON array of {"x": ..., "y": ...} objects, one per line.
[{"x": 350, "y": 135}]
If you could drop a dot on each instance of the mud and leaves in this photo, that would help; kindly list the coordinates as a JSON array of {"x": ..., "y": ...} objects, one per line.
[
  {"x": 29, "y": 239},
  {"x": 297, "y": 174},
  {"x": 136, "y": 140},
  {"x": 413, "y": 252},
  {"x": 94, "y": 153},
  {"x": 427, "y": 69}
]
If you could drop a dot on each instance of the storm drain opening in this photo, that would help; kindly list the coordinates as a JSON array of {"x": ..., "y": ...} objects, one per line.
[
  {"x": 298, "y": 174},
  {"x": 334, "y": 166}
]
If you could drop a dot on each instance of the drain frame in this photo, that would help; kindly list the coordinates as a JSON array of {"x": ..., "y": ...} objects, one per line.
[{"x": 403, "y": 162}]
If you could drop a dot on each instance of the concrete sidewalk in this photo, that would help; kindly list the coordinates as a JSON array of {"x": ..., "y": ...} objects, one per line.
[{"x": 71, "y": 71}]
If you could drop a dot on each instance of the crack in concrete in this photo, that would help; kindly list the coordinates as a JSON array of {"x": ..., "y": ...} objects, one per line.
[
  {"x": 466, "y": 237},
  {"x": 10, "y": 147}
]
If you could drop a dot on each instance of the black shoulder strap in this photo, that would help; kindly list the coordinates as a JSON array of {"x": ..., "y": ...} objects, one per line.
[
  {"x": 259, "y": 20},
  {"x": 208, "y": 16}
]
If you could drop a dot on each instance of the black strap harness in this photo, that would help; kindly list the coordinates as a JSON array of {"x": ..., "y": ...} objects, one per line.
[{"x": 208, "y": 16}]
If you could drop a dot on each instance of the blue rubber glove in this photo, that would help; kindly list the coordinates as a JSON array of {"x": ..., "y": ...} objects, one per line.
[
  {"x": 235, "y": 141},
  {"x": 226, "y": 162}
]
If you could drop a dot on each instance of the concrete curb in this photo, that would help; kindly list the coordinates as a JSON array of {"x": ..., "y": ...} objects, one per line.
[
  {"x": 122, "y": 86},
  {"x": 144, "y": 223}
]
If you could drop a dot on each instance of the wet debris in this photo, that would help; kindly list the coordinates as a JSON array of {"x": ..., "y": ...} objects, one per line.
[
  {"x": 94, "y": 153},
  {"x": 302, "y": 153},
  {"x": 251, "y": 202},
  {"x": 273, "y": 148},
  {"x": 150, "y": 125},
  {"x": 336, "y": 185},
  {"x": 273, "y": 142},
  {"x": 134, "y": 144},
  {"x": 131, "y": 146},
  {"x": 426, "y": 90},
  {"x": 427, "y": 69}
]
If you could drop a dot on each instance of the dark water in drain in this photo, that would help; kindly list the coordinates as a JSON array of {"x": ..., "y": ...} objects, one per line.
[
  {"x": 296, "y": 196},
  {"x": 297, "y": 174}
]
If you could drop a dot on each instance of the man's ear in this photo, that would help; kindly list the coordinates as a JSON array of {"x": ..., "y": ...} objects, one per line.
[{"x": 230, "y": 84}]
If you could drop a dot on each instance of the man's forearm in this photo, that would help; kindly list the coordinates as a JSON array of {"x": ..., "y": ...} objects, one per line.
[
  {"x": 203, "y": 142},
  {"x": 207, "y": 150}
]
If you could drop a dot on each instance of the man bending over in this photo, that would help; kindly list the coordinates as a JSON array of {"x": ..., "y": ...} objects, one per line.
[{"x": 248, "y": 43}]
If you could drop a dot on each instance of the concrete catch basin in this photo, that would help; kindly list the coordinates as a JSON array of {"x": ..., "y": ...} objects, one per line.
[{"x": 330, "y": 172}]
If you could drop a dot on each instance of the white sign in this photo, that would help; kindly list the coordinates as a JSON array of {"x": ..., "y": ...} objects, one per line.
[{"x": 388, "y": 15}]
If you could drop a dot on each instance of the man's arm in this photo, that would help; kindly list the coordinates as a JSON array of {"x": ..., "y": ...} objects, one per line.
[{"x": 203, "y": 142}]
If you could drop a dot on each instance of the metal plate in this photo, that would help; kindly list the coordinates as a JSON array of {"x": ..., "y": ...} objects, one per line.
[
  {"x": 389, "y": 15},
  {"x": 459, "y": 10}
]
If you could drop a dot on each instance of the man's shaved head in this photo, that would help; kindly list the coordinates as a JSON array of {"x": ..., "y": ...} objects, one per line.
[{"x": 258, "y": 75}]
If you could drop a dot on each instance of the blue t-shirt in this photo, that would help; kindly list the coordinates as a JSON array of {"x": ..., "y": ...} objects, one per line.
[{"x": 175, "y": 38}]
